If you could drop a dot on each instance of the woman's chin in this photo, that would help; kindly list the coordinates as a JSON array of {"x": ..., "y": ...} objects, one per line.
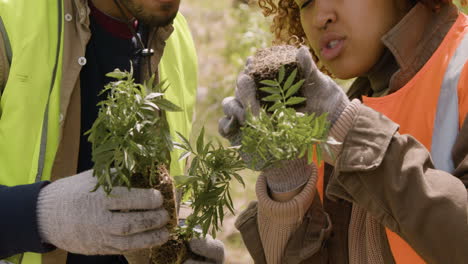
[{"x": 345, "y": 71}]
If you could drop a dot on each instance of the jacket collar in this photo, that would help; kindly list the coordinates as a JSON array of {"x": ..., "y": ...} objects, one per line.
[
  {"x": 415, "y": 38},
  {"x": 409, "y": 45}
]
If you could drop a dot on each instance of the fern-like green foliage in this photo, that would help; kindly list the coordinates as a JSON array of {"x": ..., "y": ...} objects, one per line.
[
  {"x": 130, "y": 133},
  {"x": 207, "y": 183},
  {"x": 279, "y": 132}
]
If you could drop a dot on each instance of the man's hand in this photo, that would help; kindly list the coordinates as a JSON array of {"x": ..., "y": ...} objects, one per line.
[
  {"x": 211, "y": 249},
  {"x": 73, "y": 218}
]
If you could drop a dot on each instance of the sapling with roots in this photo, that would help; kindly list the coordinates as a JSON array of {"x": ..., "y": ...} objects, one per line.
[
  {"x": 279, "y": 132},
  {"x": 131, "y": 146}
]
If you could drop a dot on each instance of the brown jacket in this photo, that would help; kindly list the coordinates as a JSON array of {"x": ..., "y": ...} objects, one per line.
[
  {"x": 365, "y": 175},
  {"x": 76, "y": 37}
]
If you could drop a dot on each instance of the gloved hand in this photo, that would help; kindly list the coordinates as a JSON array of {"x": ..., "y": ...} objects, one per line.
[
  {"x": 211, "y": 249},
  {"x": 73, "y": 218},
  {"x": 322, "y": 94}
]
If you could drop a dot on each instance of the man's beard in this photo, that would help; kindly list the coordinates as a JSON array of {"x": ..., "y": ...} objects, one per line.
[{"x": 149, "y": 19}]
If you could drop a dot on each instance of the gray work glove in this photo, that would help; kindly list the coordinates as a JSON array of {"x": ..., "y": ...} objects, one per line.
[
  {"x": 211, "y": 249},
  {"x": 322, "y": 94},
  {"x": 73, "y": 218}
]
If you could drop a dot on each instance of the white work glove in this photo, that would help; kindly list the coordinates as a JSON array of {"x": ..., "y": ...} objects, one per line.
[
  {"x": 211, "y": 249},
  {"x": 73, "y": 218}
]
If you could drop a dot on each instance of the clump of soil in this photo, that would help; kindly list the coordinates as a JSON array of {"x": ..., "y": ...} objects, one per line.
[
  {"x": 175, "y": 250},
  {"x": 266, "y": 64}
]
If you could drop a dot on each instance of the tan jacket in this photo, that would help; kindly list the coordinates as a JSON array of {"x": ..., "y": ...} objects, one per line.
[
  {"x": 398, "y": 202},
  {"x": 76, "y": 37}
]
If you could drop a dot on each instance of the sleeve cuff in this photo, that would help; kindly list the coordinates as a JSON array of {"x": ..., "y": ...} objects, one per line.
[
  {"x": 288, "y": 212},
  {"x": 19, "y": 223},
  {"x": 340, "y": 129}
]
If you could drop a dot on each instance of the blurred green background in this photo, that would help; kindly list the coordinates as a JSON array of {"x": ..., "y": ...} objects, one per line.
[{"x": 226, "y": 32}]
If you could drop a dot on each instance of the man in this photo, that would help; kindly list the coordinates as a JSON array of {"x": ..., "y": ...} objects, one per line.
[{"x": 53, "y": 59}]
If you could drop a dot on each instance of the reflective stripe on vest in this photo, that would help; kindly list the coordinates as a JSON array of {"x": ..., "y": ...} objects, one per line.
[
  {"x": 7, "y": 42},
  {"x": 446, "y": 123}
]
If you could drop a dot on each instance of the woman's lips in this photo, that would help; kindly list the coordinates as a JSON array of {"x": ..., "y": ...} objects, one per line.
[{"x": 331, "y": 46}]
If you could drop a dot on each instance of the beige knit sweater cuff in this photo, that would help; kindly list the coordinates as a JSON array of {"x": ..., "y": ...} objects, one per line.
[
  {"x": 277, "y": 221},
  {"x": 340, "y": 129}
]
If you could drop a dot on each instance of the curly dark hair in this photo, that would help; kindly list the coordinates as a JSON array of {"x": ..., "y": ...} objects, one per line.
[{"x": 287, "y": 28}]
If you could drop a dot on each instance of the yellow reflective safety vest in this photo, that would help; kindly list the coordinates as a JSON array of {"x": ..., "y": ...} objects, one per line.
[{"x": 30, "y": 100}]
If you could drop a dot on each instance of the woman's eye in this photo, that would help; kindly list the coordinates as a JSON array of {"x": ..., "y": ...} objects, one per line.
[{"x": 306, "y": 3}]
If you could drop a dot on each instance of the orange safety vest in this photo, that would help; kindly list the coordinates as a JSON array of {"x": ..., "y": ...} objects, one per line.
[{"x": 431, "y": 107}]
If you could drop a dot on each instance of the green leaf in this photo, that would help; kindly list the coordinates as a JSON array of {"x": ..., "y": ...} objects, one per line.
[
  {"x": 310, "y": 156},
  {"x": 272, "y": 98},
  {"x": 153, "y": 95},
  {"x": 290, "y": 80},
  {"x": 295, "y": 100},
  {"x": 274, "y": 107},
  {"x": 239, "y": 179},
  {"x": 162, "y": 86},
  {"x": 200, "y": 140},
  {"x": 184, "y": 180},
  {"x": 167, "y": 105},
  {"x": 185, "y": 142},
  {"x": 294, "y": 88},
  {"x": 272, "y": 90},
  {"x": 318, "y": 151},
  {"x": 180, "y": 146},
  {"x": 221, "y": 214},
  {"x": 117, "y": 74},
  {"x": 152, "y": 105},
  {"x": 149, "y": 84},
  {"x": 184, "y": 155},
  {"x": 270, "y": 83},
  {"x": 281, "y": 74},
  {"x": 194, "y": 166}
]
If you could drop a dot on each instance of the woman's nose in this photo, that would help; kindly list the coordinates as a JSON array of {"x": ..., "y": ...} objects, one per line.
[{"x": 324, "y": 13}]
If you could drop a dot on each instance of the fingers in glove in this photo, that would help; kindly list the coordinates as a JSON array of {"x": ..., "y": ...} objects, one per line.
[
  {"x": 138, "y": 241},
  {"x": 248, "y": 65},
  {"x": 228, "y": 126},
  {"x": 246, "y": 93},
  {"x": 233, "y": 107},
  {"x": 135, "y": 199},
  {"x": 130, "y": 223},
  {"x": 304, "y": 58},
  {"x": 209, "y": 248}
]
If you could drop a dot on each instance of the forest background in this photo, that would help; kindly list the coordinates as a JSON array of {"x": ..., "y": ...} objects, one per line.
[{"x": 226, "y": 32}]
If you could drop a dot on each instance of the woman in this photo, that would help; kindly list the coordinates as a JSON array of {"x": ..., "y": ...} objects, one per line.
[{"x": 396, "y": 190}]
